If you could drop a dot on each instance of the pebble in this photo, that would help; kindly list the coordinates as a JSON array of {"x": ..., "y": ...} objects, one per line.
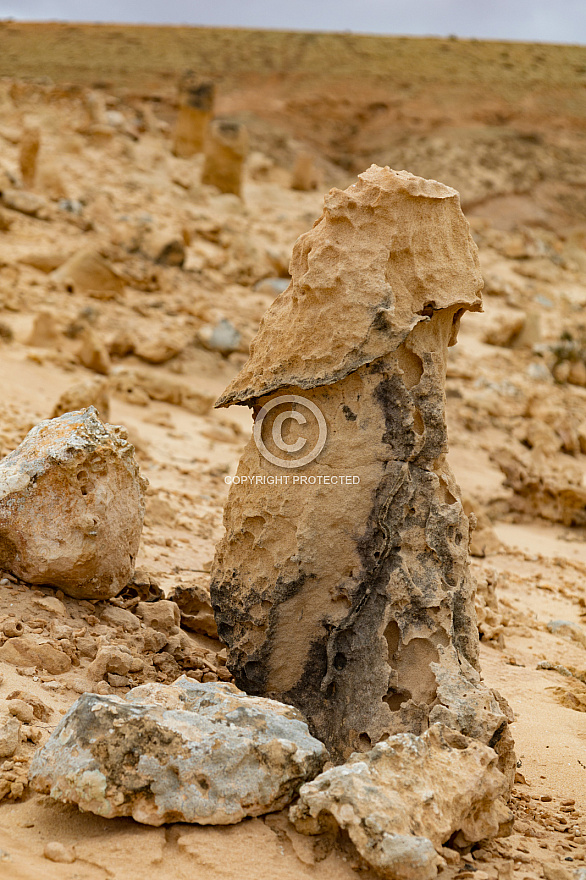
[{"x": 58, "y": 852}]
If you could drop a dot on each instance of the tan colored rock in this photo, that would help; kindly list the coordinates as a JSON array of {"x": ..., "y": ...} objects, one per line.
[
  {"x": 44, "y": 333},
  {"x": 93, "y": 354},
  {"x": 305, "y": 176},
  {"x": 226, "y": 148},
  {"x": 27, "y": 651},
  {"x": 543, "y": 487},
  {"x": 30, "y": 143},
  {"x": 27, "y": 203},
  {"x": 110, "y": 658},
  {"x": 196, "y": 610},
  {"x": 140, "y": 386},
  {"x": 406, "y": 798},
  {"x": 164, "y": 615},
  {"x": 352, "y": 600},
  {"x": 72, "y": 507},
  {"x": 196, "y": 107},
  {"x": 577, "y": 374},
  {"x": 9, "y": 737},
  {"x": 164, "y": 246},
  {"x": 92, "y": 392},
  {"x": 55, "y": 851},
  {"x": 89, "y": 272},
  {"x": 160, "y": 347}
]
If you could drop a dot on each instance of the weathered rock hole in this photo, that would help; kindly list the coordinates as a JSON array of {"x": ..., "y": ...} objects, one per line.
[
  {"x": 364, "y": 742},
  {"x": 393, "y": 637},
  {"x": 395, "y": 699},
  {"x": 340, "y": 661}
]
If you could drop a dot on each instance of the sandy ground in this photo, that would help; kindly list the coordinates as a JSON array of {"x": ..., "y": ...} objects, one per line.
[{"x": 109, "y": 193}]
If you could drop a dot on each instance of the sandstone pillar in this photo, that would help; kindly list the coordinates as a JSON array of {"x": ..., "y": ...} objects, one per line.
[
  {"x": 196, "y": 107},
  {"x": 225, "y": 151},
  {"x": 351, "y": 598}
]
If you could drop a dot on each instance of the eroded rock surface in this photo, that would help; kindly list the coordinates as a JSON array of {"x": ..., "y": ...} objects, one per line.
[
  {"x": 354, "y": 601},
  {"x": 226, "y": 149},
  {"x": 72, "y": 507},
  {"x": 406, "y": 798},
  {"x": 187, "y": 752}
]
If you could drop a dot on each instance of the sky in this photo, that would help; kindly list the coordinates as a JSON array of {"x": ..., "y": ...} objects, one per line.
[{"x": 563, "y": 21}]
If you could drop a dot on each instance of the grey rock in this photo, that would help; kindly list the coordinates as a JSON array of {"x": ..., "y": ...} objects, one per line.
[
  {"x": 187, "y": 752},
  {"x": 223, "y": 337}
]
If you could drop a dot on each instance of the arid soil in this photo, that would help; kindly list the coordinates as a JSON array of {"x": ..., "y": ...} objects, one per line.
[{"x": 504, "y": 124}]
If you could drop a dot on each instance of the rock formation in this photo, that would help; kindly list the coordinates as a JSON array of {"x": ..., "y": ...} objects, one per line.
[
  {"x": 408, "y": 797},
  {"x": 226, "y": 149},
  {"x": 72, "y": 507},
  {"x": 29, "y": 150},
  {"x": 186, "y": 752},
  {"x": 351, "y": 598},
  {"x": 305, "y": 176},
  {"x": 88, "y": 272},
  {"x": 196, "y": 107}
]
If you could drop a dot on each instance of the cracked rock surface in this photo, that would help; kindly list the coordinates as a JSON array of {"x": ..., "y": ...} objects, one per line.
[
  {"x": 187, "y": 752},
  {"x": 354, "y": 602}
]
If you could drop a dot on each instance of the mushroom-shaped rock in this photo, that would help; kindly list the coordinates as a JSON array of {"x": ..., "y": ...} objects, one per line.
[
  {"x": 342, "y": 583},
  {"x": 72, "y": 506},
  {"x": 187, "y": 752}
]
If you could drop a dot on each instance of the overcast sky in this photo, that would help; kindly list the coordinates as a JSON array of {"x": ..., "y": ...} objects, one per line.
[{"x": 535, "y": 20}]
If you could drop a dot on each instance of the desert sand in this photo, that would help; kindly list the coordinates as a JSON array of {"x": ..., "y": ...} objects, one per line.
[{"x": 504, "y": 125}]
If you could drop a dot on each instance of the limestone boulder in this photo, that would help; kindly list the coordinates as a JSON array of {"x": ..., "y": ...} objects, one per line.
[
  {"x": 187, "y": 752},
  {"x": 406, "y": 798},
  {"x": 72, "y": 506}
]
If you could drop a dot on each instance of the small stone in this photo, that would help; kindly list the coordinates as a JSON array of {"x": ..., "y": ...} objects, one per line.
[
  {"x": 189, "y": 738},
  {"x": 58, "y": 852},
  {"x": 9, "y": 737},
  {"x": 223, "y": 337},
  {"x": 21, "y": 710},
  {"x": 163, "y": 615},
  {"x": 93, "y": 354},
  {"x": 110, "y": 658},
  {"x": 89, "y": 272}
]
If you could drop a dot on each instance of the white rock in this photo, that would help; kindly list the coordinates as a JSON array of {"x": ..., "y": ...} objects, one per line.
[{"x": 187, "y": 752}]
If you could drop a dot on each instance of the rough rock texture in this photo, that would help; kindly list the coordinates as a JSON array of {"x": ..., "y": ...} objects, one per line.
[
  {"x": 354, "y": 601},
  {"x": 187, "y": 752},
  {"x": 72, "y": 507},
  {"x": 196, "y": 107},
  {"x": 226, "y": 149},
  {"x": 542, "y": 487},
  {"x": 407, "y": 797}
]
